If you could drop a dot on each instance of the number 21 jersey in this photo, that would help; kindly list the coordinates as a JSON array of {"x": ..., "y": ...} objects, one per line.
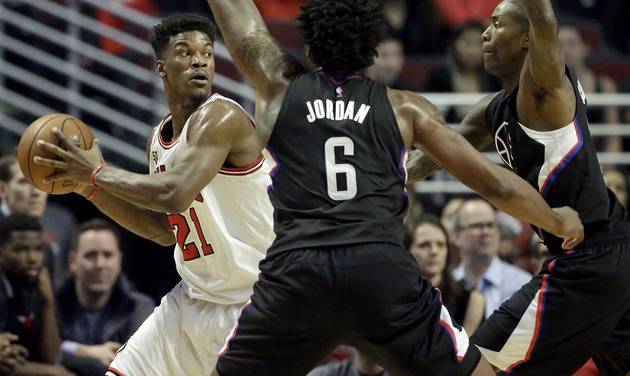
[
  {"x": 339, "y": 175},
  {"x": 227, "y": 229}
]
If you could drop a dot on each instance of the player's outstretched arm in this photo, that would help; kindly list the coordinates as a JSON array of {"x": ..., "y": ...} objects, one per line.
[
  {"x": 212, "y": 134},
  {"x": 545, "y": 99},
  {"x": 473, "y": 128},
  {"x": 255, "y": 52},
  {"x": 504, "y": 189}
]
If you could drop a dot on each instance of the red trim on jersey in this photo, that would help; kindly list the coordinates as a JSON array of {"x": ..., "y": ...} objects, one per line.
[
  {"x": 451, "y": 334},
  {"x": 544, "y": 288},
  {"x": 166, "y": 144},
  {"x": 115, "y": 371},
  {"x": 241, "y": 171}
]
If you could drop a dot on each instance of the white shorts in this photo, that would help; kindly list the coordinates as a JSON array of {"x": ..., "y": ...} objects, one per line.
[{"x": 183, "y": 336}]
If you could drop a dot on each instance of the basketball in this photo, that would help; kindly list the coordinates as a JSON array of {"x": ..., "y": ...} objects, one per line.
[{"x": 41, "y": 129}]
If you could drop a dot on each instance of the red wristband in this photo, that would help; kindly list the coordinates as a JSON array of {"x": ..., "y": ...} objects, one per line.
[{"x": 94, "y": 172}]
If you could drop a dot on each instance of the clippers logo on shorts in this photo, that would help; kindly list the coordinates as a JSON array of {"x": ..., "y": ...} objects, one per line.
[{"x": 503, "y": 144}]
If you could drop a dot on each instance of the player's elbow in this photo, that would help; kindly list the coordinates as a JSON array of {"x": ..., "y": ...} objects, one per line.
[
  {"x": 166, "y": 240},
  {"x": 174, "y": 198}
]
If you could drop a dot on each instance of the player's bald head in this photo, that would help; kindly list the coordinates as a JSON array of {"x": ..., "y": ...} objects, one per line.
[{"x": 513, "y": 10}]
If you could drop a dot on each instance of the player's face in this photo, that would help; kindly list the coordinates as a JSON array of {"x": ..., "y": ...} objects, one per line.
[
  {"x": 21, "y": 196},
  {"x": 389, "y": 62},
  {"x": 97, "y": 261},
  {"x": 504, "y": 41},
  {"x": 188, "y": 65},
  {"x": 23, "y": 255},
  {"x": 429, "y": 249}
]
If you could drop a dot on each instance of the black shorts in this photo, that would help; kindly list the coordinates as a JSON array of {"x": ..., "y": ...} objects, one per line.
[
  {"x": 371, "y": 296},
  {"x": 576, "y": 308}
]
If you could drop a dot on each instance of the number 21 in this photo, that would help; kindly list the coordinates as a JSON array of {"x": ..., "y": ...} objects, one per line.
[{"x": 190, "y": 250}]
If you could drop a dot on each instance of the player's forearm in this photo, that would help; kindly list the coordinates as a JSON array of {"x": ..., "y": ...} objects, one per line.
[
  {"x": 50, "y": 341},
  {"x": 514, "y": 196},
  {"x": 157, "y": 193},
  {"x": 142, "y": 222},
  {"x": 420, "y": 166}
]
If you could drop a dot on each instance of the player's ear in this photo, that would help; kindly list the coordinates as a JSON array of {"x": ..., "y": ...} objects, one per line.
[
  {"x": 525, "y": 41},
  {"x": 159, "y": 68}
]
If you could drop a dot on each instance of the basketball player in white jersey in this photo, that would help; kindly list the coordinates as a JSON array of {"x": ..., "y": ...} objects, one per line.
[{"x": 208, "y": 185}]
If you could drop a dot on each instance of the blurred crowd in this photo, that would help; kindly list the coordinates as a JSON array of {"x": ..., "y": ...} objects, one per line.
[{"x": 73, "y": 287}]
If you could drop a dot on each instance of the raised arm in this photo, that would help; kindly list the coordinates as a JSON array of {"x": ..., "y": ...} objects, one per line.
[
  {"x": 473, "y": 128},
  {"x": 546, "y": 100},
  {"x": 255, "y": 52},
  {"x": 504, "y": 189}
]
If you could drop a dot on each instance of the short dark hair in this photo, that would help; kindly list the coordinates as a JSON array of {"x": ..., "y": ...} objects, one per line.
[
  {"x": 342, "y": 35},
  {"x": 5, "y": 167},
  {"x": 95, "y": 224},
  {"x": 17, "y": 222},
  {"x": 180, "y": 23}
]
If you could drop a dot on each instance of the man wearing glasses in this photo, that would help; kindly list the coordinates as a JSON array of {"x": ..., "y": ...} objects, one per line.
[{"x": 477, "y": 237}]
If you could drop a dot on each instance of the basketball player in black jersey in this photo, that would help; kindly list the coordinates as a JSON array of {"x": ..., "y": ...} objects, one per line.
[
  {"x": 578, "y": 306},
  {"x": 337, "y": 272}
]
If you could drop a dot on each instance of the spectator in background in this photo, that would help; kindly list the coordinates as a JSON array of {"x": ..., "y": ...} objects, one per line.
[
  {"x": 279, "y": 10},
  {"x": 447, "y": 220},
  {"x": 477, "y": 233},
  {"x": 458, "y": 12},
  {"x": 430, "y": 247},
  {"x": 618, "y": 183},
  {"x": 357, "y": 365},
  {"x": 18, "y": 195},
  {"x": 98, "y": 309},
  {"x": 12, "y": 355},
  {"x": 389, "y": 63},
  {"x": 576, "y": 52},
  {"x": 463, "y": 71},
  {"x": 29, "y": 309}
]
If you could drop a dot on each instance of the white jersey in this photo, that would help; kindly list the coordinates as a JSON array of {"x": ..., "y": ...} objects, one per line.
[{"x": 227, "y": 229}]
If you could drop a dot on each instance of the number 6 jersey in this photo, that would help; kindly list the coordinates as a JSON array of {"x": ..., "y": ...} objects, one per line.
[
  {"x": 227, "y": 229},
  {"x": 339, "y": 176}
]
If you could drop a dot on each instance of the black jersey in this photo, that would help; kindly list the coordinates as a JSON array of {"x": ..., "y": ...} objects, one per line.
[
  {"x": 340, "y": 175},
  {"x": 562, "y": 165}
]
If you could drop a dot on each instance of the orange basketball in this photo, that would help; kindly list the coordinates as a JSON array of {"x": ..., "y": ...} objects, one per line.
[{"x": 41, "y": 129}]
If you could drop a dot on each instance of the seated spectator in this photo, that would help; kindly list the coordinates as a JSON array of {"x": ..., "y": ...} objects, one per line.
[
  {"x": 358, "y": 365},
  {"x": 617, "y": 182},
  {"x": 576, "y": 53},
  {"x": 18, "y": 195},
  {"x": 28, "y": 309},
  {"x": 463, "y": 71},
  {"x": 458, "y": 12},
  {"x": 430, "y": 247},
  {"x": 477, "y": 233},
  {"x": 389, "y": 63},
  {"x": 12, "y": 355},
  {"x": 98, "y": 309}
]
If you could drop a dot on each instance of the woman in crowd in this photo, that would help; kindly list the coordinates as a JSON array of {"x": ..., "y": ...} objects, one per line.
[{"x": 429, "y": 245}]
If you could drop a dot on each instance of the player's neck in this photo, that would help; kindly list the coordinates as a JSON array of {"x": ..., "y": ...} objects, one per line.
[
  {"x": 91, "y": 300},
  {"x": 509, "y": 82},
  {"x": 180, "y": 112}
]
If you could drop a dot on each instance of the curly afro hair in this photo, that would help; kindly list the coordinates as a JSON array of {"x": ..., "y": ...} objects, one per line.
[
  {"x": 342, "y": 35},
  {"x": 179, "y": 23}
]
